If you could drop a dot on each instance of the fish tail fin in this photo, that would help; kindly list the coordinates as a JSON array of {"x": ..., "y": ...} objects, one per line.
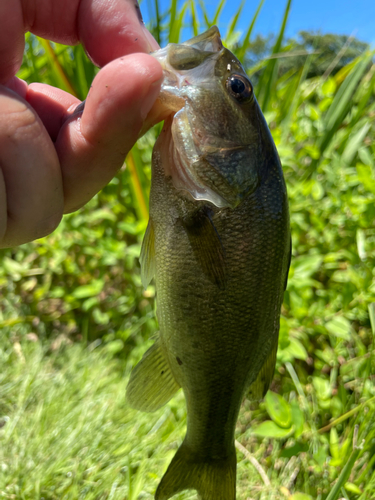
[{"x": 212, "y": 479}]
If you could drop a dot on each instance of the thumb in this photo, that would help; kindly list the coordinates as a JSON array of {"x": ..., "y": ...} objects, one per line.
[{"x": 93, "y": 145}]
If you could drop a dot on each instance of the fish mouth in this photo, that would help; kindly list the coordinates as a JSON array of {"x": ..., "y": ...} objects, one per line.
[
  {"x": 187, "y": 64},
  {"x": 182, "y": 65}
]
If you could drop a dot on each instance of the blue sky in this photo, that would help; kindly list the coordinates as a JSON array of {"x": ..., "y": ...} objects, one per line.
[{"x": 336, "y": 16}]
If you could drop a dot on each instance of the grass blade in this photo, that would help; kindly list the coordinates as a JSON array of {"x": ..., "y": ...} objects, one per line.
[
  {"x": 215, "y": 20},
  {"x": 341, "y": 104},
  {"x": 205, "y": 14},
  {"x": 176, "y": 25},
  {"x": 371, "y": 310},
  {"x": 242, "y": 51},
  {"x": 83, "y": 85},
  {"x": 354, "y": 143},
  {"x": 234, "y": 22},
  {"x": 57, "y": 68},
  {"x": 194, "y": 18},
  {"x": 345, "y": 473},
  {"x": 172, "y": 20},
  {"x": 296, "y": 95},
  {"x": 269, "y": 75},
  {"x": 137, "y": 187},
  {"x": 157, "y": 19},
  {"x": 368, "y": 89}
]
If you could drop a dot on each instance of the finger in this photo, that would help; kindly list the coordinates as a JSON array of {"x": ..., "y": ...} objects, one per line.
[
  {"x": 52, "y": 106},
  {"x": 92, "y": 148},
  {"x": 11, "y": 38},
  {"x": 108, "y": 29},
  {"x": 111, "y": 29},
  {"x": 30, "y": 183}
]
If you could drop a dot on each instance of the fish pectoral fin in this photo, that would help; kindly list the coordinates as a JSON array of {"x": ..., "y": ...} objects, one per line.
[
  {"x": 207, "y": 247},
  {"x": 151, "y": 383},
  {"x": 147, "y": 257},
  {"x": 213, "y": 479},
  {"x": 261, "y": 385}
]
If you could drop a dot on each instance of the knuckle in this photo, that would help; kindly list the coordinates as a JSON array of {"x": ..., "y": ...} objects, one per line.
[{"x": 18, "y": 121}]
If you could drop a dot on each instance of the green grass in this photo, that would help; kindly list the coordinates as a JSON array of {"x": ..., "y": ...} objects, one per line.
[{"x": 65, "y": 432}]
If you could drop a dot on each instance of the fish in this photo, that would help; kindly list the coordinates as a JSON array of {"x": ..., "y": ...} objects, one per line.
[{"x": 218, "y": 247}]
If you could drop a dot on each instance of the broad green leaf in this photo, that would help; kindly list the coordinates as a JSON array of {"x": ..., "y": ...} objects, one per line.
[
  {"x": 339, "y": 327},
  {"x": 101, "y": 318},
  {"x": 322, "y": 388},
  {"x": 278, "y": 409},
  {"x": 271, "y": 430},
  {"x": 329, "y": 86},
  {"x": 361, "y": 244},
  {"x": 297, "y": 349},
  {"x": 365, "y": 156},
  {"x": 365, "y": 175},
  {"x": 300, "y": 496},
  {"x": 334, "y": 443},
  {"x": 86, "y": 291},
  {"x": 305, "y": 266},
  {"x": 353, "y": 488}
]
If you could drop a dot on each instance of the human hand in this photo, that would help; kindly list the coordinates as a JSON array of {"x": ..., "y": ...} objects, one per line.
[{"x": 53, "y": 156}]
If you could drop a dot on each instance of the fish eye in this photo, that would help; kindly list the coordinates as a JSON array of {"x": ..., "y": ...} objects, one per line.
[{"x": 240, "y": 87}]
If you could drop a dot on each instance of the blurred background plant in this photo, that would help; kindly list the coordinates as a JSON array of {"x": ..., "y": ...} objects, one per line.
[{"x": 75, "y": 319}]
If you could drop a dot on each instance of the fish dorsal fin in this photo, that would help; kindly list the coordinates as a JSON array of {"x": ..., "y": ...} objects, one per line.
[
  {"x": 151, "y": 383},
  {"x": 260, "y": 386},
  {"x": 147, "y": 257},
  {"x": 207, "y": 247}
]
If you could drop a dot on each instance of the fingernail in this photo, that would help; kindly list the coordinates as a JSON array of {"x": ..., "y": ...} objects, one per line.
[
  {"x": 76, "y": 109},
  {"x": 139, "y": 13},
  {"x": 80, "y": 107}
]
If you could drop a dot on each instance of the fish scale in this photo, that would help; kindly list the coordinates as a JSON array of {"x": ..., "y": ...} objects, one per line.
[{"x": 218, "y": 248}]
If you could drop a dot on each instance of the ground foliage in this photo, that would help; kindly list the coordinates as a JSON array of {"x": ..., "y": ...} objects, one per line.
[{"x": 74, "y": 316}]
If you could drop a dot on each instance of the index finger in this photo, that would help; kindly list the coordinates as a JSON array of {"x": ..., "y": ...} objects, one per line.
[{"x": 107, "y": 28}]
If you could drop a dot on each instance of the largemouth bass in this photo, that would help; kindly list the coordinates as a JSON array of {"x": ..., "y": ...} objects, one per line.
[{"x": 218, "y": 246}]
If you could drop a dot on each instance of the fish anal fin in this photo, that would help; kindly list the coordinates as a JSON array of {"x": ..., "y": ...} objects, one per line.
[
  {"x": 151, "y": 383},
  {"x": 207, "y": 247},
  {"x": 213, "y": 479},
  {"x": 147, "y": 257},
  {"x": 261, "y": 385}
]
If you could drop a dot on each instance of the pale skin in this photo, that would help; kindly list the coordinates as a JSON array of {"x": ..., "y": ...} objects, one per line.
[{"x": 55, "y": 155}]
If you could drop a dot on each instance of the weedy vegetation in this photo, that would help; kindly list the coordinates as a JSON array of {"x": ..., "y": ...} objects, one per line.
[{"x": 74, "y": 318}]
